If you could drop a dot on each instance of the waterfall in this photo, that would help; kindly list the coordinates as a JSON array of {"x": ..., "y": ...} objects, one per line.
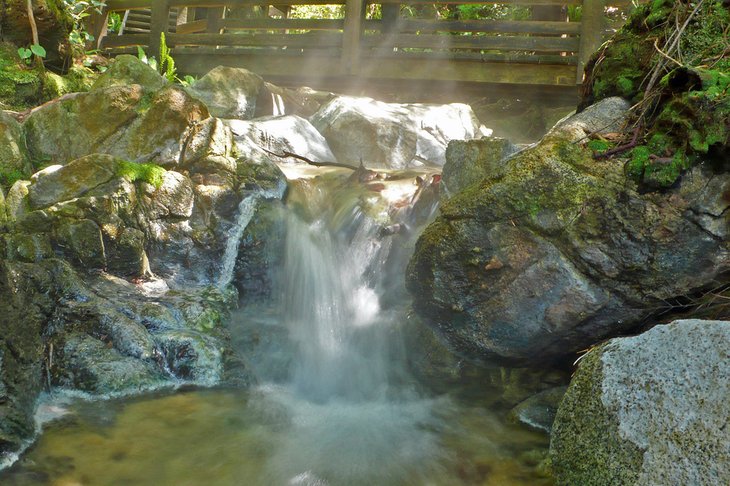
[{"x": 246, "y": 209}]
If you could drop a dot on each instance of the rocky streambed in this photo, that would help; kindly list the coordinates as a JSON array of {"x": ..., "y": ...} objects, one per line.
[{"x": 145, "y": 213}]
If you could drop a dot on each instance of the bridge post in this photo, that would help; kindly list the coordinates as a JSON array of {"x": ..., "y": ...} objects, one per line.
[
  {"x": 352, "y": 31},
  {"x": 592, "y": 29},
  {"x": 96, "y": 25},
  {"x": 159, "y": 23}
]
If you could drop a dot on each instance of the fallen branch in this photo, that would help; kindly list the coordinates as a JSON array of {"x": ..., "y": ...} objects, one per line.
[
  {"x": 621, "y": 148},
  {"x": 286, "y": 154}
]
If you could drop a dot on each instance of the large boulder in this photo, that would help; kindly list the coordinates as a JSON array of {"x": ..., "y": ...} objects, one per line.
[
  {"x": 255, "y": 139},
  {"x": 131, "y": 122},
  {"x": 558, "y": 250},
  {"x": 393, "y": 134},
  {"x": 469, "y": 161},
  {"x": 229, "y": 92},
  {"x": 648, "y": 410}
]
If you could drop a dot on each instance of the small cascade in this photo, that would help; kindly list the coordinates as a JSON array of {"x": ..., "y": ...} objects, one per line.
[{"x": 246, "y": 209}]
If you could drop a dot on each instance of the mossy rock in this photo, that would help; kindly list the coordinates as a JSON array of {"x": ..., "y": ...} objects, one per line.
[
  {"x": 15, "y": 162},
  {"x": 127, "y": 69}
]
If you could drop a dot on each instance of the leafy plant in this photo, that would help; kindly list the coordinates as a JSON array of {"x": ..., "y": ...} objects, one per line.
[
  {"x": 150, "y": 61},
  {"x": 79, "y": 10},
  {"x": 114, "y": 22},
  {"x": 27, "y": 53}
]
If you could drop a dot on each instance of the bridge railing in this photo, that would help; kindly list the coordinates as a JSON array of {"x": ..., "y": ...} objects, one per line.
[{"x": 392, "y": 46}]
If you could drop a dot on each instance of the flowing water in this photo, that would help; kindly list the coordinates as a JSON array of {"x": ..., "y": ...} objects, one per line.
[{"x": 337, "y": 403}]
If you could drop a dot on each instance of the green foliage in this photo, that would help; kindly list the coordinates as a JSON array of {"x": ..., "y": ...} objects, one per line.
[
  {"x": 167, "y": 63},
  {"x": 8, "y": 177},
  {"x": 79, "y": 10},
  {"x": 317, "y": 12},
  {"x": 149, "y": 173},
  {"x": 599, "y": 145},
  {"x": 114, "y": 23}
]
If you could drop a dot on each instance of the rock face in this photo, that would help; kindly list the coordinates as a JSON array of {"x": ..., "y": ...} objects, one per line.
[
  {"x": 14, "y": 160},
  {"x": 391, "y": 134},
  {"x": 557, "y": 250},
  {"x": 126, "y": 70},
  {"x": 648, "y": 410},
  {"x": 229, "y": 92},
  {"x": 115, "y": 270}
]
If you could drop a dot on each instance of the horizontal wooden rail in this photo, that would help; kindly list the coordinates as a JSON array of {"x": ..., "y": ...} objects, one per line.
[{"x": 540, "y": 51}]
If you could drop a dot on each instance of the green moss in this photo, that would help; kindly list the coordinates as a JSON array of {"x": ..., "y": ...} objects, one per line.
[
  {"x": 20, "y": 85},
  {"x": 134, "y": 172},
  {"x": 8, "y": 177},
  {"x": 599, "y": 145}
]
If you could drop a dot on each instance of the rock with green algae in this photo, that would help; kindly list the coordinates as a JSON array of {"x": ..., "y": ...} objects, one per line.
[
  {"x": 3, "y": 213},
  {"x": 469, "y": 161},
  {"x": 131, "y": 122},
  {"x": 14, "y": 159},
  {"x": 560, "y": 251},
  {"x": 649, "y": 409}
]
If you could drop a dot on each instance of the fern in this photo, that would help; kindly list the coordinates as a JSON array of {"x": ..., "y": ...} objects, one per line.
[{"x": 167, "y": 63}]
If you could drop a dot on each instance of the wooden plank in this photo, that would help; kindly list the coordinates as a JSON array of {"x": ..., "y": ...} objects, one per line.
[
  {"x": 312, "y": 39},
  {"x": 129, "y": 4},
  {"x": 491, "y": 26},
  {"x": 393, "y": 69},
  {"x": 352, "y": 36},
  {"x": 192, "y": 27},
  {"x": 215, "y": 18},
  {"x": 159, "y": 23},
  {"x": 282, "y": 24},
  {"x": 506, "y": 43},
  {"x": 474, "y": 56},
  {"x": 593, "y": 24},
  {"x": 510, "y": 2},
  {"x": 114, "y": 41}
]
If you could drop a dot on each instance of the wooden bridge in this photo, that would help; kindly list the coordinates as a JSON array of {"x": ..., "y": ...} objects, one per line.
[{"x": 547, "y": 49}]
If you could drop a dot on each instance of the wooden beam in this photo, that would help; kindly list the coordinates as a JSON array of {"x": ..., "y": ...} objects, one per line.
[
  {"x": 593, "y": 24},
  {"x": 293, "y": 41},
  {"x": 192, "y": 27},
  {"x": 199, "y": 61},
  {"x": 159, "y": 23},
  {"x": 96, "y": 25},
  {"x": 283, "y": 24},
  {"x": 489, "y": 26},
  {"x": 352, "y": 36},
  {"x": 504, "y": 43}
]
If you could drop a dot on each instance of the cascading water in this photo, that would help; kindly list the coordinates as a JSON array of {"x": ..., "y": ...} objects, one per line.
[{"x": 335, "y": 404}]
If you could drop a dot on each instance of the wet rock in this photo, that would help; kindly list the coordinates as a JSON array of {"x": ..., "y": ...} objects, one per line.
[
  {"x": 92, "y": 366},
  {"x": 393, "y": 135},
  {"x": 209, "y": 150},
  {"x": 469, "y": 161},
  {"x": 14, "y": 158},
  {"x": 559, "y": 251},
  {"x": 3, "y": 212},
  {"x": 538, "y": 411},
  {"x": 290, "y": 133},
  {"x": 649, "y": 409},
  {"x": 83, "y": 242},
  {"x": 127, "y": 69},
  {"x": 229, "y": 92}
]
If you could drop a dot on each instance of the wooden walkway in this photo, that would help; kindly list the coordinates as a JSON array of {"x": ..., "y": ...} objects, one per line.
[{"x": 390, "y": 48}]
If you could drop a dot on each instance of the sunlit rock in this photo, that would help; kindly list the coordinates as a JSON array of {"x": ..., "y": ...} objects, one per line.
[
  {"x": 127, "y": 69},
  {"x": 392, "y": 134},
  {"x": 257, "y": 139},
  {"x": 130, "y": 122},
  {"x": 469, "y": 161},
  {"x": 649, "y": 409},
  {"x": 277, "y": 101},
  {"x": 16, "y": 200},
  {"x": 229, "y": 92}
]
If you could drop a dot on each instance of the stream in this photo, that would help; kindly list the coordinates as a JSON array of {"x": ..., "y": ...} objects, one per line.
[{"x": 337, "y": 402}]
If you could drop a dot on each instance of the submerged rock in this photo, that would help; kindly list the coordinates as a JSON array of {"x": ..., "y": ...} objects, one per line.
[
  {"x": 649, "y": 409},
  {"x": 538, "y": 411},
  {"x": 393, "y": 135},
  {"x": 559, "y": 250}
]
